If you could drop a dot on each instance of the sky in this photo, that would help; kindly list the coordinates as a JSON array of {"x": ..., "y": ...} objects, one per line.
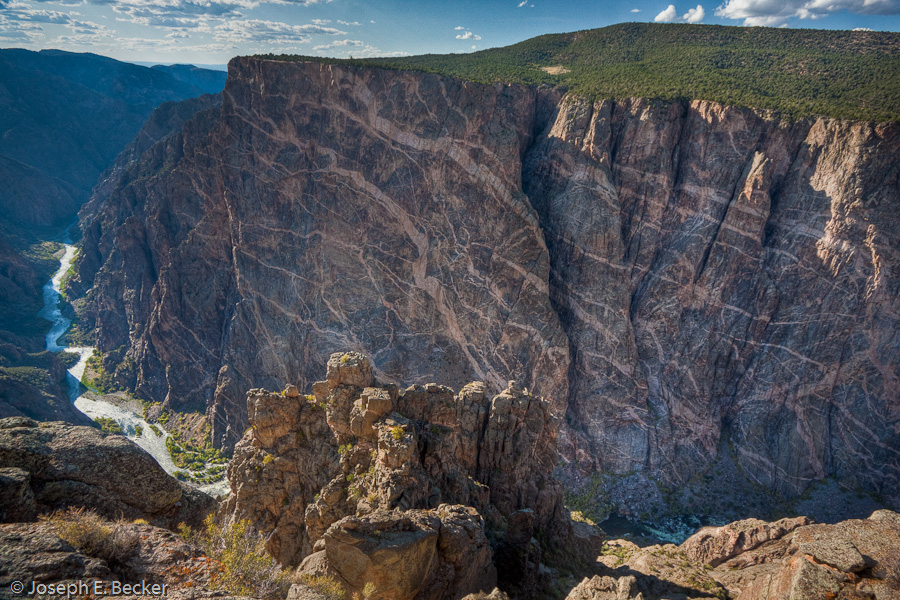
[{"x": 213, "y": 31}]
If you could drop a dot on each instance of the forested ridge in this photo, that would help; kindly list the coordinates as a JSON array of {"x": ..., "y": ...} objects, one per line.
[{"x": 798, "y": 72}]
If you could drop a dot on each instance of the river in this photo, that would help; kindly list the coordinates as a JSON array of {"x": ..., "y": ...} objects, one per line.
[{"x": 92, "y": 405}]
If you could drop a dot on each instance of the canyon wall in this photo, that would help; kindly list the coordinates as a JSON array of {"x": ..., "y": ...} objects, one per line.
[{"x": 685, "y": 282}]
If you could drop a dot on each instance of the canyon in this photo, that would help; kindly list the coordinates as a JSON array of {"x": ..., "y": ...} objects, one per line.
[{"x": 691, "y": 286}]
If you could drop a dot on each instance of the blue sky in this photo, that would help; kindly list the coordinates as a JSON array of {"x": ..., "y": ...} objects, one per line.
[{"x": 212, "y": 31}]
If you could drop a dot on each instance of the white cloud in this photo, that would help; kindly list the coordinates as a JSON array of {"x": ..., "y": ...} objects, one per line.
[
  {"x": 341, "y": 44},
  {"x": 179, "y": 13},
  {"x": 863, "y": 29},
  {"x": 635, "y": 10},
  {"x": 349, "y": 23},
  {"x": 236, "y": 31},
  {"x": 89, "y": 28},
  {"x": 37, "y": 15},
  {"x": 19, "y": 32},
  {"x": 321, "y": 21},
  {"x": 474, "y": 47},
  {"x": 667, "y": 16},
  {"x": 695, "y": 15},
  {"x": 355, "y": 48},
  {"x": 460, "y": 28},
  {"x": 468, "y": 36},
  {"x": 523, "y": 3},
  {"x": 777, "y": 12}
]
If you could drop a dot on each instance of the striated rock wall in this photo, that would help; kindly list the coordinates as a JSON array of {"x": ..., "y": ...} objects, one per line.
[
  {"x": 725, "y": 276},
  {"x": 683, "y": 281}
]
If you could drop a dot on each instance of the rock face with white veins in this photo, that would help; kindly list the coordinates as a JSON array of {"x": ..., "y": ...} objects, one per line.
[{"x": 687, "y": 282}]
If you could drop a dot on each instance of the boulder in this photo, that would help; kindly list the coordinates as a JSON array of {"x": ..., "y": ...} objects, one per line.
[
  {"x": 70, "y": 465},
  {"x": 427, "y": 555}
]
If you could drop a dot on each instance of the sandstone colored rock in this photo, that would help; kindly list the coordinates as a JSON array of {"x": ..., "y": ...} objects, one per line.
[
  {"x": 495, "y": 594},
  {"x": 440, "y": 554},
  {"x": 715, "y": 545},
  {"x": 277, "y": 469},
  {"x": 322, "y": 475},
  {"x": 606, "y": 588},
  {"x": 851, "y": 559}
]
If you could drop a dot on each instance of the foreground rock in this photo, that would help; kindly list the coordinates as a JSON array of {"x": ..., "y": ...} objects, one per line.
[
  {"x": 437, "y": 554},
  {"x": 790, "y": 559},
  {"x": 715, "y": 545},
  {"x": 50, "y": 466},
  {"x": 403, "y": 488},
  {"x": 35, "y": 552},
  {"x": 851, "y": 559}
]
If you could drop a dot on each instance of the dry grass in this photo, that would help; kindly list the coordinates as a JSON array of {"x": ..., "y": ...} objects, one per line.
[
  {"x": 94, "y": 536},
  {"x": 247, "y": 567},
  {"x": 326, "y": 585}
]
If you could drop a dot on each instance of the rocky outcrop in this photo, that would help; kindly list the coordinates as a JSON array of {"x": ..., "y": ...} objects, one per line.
[
  {"x": 402, "y": 488},
  {"x": 790, "y": 559},
  {"x": 715, "y": 545},
  {"x": 851, "y": 559},
  {"x": 440, "y": 554},
  {"x": 689, "y": 283},
  {"x": 146, "y": 555},
  {"x": 72, "y": 466}
]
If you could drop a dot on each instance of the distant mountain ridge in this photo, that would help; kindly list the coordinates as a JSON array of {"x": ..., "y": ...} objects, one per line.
[{"x": 64, "y": 117}]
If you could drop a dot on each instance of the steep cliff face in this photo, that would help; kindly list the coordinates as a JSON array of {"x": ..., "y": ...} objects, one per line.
[
  {"x": 312, "y": 219},
  {"x": 724, "y": 276},
  {"x": 688, "y": 282}
]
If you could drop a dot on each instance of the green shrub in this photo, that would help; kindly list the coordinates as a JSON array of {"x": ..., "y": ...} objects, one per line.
[{"x": 108, "y": 425}]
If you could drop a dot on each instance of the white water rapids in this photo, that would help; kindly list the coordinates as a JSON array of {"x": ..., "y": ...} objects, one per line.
[{"x": 155, "y": 445}]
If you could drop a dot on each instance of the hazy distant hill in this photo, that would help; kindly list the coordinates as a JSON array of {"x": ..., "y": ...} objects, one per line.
[
  {"x": 63, "y": 119},
  {"x": 211, "y": 81},
  {"x": 801, "y": 72}
]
